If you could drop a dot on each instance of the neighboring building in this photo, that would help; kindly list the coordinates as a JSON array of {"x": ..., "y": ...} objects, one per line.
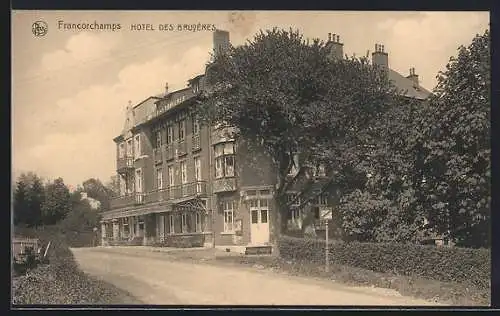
[
  {"x": 181, "y": 180},
  {"x": 94, "y": 204}
]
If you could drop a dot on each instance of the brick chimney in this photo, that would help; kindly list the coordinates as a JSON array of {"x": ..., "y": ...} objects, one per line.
[
  {"x": 380, "y": 57},
  {"x": 413, "y": 77},
  {"x": 221, "y": 41},
  {"x": 335, "y": 47}
]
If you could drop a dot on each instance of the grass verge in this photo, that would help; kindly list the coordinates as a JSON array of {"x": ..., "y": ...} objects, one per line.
[
  {"x": 441, "y": 292},
  {"x": 61, "y": 281}
]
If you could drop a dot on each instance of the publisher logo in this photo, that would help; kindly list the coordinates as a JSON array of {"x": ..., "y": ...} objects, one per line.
[{"x": 39, "y": 28}]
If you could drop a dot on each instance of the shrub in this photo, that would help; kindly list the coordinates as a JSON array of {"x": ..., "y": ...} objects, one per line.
[
  {"x": 468, "y": 266},
  {"x": 190, "y": 241},
  {"x": 61, "y": 282}
]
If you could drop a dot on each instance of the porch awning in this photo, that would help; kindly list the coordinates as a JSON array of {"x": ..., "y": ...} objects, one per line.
[
  {"x": 136, "y": 212},
  {"x": 190, "y": 205}
]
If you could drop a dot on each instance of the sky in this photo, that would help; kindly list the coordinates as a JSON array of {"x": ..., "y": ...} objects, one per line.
[{"x": 70, "y": 88}]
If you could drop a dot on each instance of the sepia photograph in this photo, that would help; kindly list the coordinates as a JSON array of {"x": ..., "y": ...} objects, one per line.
[{"x": 250, "y": 158}]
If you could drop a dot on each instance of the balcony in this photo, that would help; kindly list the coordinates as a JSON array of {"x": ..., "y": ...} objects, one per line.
[
  {"x": 127, "y": 200},
  {"x": 139, "y": 198},
  {"x": 196, "y": 144},
  {"x": 224, "y": 185},
  {"x": 158, "y": 196},
  {"x": 125, "y": 163},
  {"x": 181, "y": 148},
  {"x": 158, "y": 155},
  {"x": 193, "y": 189},
  {"x": 183, "y": 191}
]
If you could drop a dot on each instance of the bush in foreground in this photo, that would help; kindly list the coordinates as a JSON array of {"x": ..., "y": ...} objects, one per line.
[
  {"x": 468, "y": 266},
  {"x": 61, "y": 282}
]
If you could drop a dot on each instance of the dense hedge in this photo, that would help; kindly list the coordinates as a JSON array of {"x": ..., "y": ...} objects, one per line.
[
  {"x": 188, "y": 241},
  {"x": 469, "y": 266}
]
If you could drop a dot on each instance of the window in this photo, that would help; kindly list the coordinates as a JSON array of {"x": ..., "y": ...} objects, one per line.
[
  {"x": 129, "y": 148},
  {"x": 224, "y": 160},
  {"x": 183, "y": 172},
  {"x": 123, "y": 188},
  {"x": 158, "y": 139},
  {"x": 296, "y": 214},
  {"x": 228, "y": 216},
  {"x": 293, "y": 199},
  {"x": 171, "y": 224},
  {"x": 121, "y": 150},
  {"x": 137, "y": 151},
  {"x": 255, "y": 216},
  {"x": 196, "y": 126},
  {"x": 197, "y": 168},
  {"x": 129, "y": 183},
  {"x": 159, "y": 178},
  {"x": 319, "y": 170},
  {"x": 295, "y": 165},
  {"x": 170, "y": 134},
  {"x": 322, "y": 199},
  {"x": 126, "y": 229},
  {"x": 171, "y": 175},
  {"x": 182, "y": 129},
  {"x": 138, "y": 180},
  {"x": 197, "y": 173},
  {"x": 198, "y": 222},
  {"x": 315, "y": 211},
  {"x": 259, "y": 206},
  {"x": 184, "y": 227}
]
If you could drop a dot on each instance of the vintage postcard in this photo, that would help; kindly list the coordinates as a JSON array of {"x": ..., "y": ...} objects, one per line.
[{"x": 251, "y": 158}]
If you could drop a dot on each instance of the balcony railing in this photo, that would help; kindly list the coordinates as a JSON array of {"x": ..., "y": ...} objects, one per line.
[
  {"x": 188, "y": 190},
  {"x": 224, "y": 185},
  {"x": 139, "y": 198},
  {"x": 196, "y": 144},
  {"x": 124, "y": 163},
  {"x": 158, "y": 155},
  {"x": 126, "y": 200}
]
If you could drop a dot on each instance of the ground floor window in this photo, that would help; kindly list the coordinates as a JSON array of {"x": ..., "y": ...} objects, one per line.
[
  {"x": 171, "y": 224},
  {"x": 126, "y": 228},
  {"x": 184, "y": 224},
  {"x": 141, "y": 227},
  {"x": 228, "y": 216},
  {"x": 109, "y": 230},
  {"x": 198, "y": 222}
]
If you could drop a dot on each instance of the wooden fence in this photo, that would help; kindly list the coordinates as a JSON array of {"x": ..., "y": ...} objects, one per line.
[{"x": 21, "y": 244}]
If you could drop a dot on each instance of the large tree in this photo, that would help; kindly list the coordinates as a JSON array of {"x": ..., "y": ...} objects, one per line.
[
  {"x": 28, "y": 199},
  {"x": 36, "y": 198},
  {"x": 456, "y": 133},
  {"x": 430, "y": 162},
  {"x": 20, "y": 209},
  {"x": 288, "y": 96},
  {"x": 57, "y": 202},
  {"x": 96, "y": 190}
]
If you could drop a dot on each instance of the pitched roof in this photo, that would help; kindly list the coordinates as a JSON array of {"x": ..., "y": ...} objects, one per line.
[{"x": 407, "y": 87}]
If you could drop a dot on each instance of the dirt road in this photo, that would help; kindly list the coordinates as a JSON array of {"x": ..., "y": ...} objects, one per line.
[{"x": 154, "y": 279}]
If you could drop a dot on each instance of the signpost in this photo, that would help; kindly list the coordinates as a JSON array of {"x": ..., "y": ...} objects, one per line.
[{"x": 326, "y": 215}]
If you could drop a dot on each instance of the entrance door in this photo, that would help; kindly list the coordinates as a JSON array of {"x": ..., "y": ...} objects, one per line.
[{"x": 259, "y": 222}]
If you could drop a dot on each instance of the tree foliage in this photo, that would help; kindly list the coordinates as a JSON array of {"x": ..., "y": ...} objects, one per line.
[
  {"x": 57, "y": 202},
  {"x": 429, "y": 164},
  {"x": 96, "y": 190},
  {"x": 289, "y": 96},
  {"x": 28, "y": 199},
  {"x": 456, "y": 133}
]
